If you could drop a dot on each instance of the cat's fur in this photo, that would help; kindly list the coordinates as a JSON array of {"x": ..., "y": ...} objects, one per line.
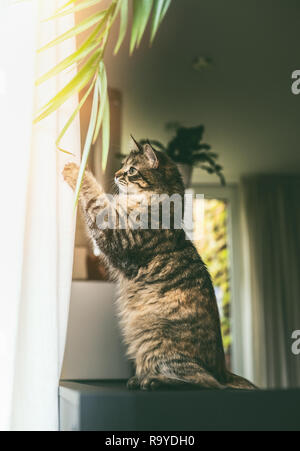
[{"x": 167, "y": 305}]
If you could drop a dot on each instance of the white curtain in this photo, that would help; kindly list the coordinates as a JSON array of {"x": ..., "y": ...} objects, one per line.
[
  {"x": 37, "y": 220},
  {"x": 272, "y": 224}
]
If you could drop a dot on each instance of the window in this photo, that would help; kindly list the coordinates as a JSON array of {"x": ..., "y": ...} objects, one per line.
[{"x": 214, "y": 242}]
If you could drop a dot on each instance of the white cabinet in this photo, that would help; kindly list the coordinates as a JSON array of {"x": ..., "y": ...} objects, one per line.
[{"x": 94, "y": 348}]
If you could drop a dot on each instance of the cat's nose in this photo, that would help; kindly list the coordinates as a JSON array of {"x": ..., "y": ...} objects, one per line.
[{"x": 117, "y": 175}]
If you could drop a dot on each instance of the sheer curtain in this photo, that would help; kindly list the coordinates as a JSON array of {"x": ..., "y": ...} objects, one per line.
[
  {"x": 272, "y": 218},
  {"x": 37, "y": 221}
]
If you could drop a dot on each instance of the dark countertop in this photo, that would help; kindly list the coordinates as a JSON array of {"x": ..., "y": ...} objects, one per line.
[{"x": 110, "y": 406}]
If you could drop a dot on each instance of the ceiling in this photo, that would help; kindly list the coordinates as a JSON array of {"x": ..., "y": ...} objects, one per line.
[{"x": 252, "y": 119}]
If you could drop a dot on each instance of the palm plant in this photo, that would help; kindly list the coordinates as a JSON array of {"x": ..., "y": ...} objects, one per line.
[
  {"x": 91, "y": 75},
  {"x": 186, "y": 147}
]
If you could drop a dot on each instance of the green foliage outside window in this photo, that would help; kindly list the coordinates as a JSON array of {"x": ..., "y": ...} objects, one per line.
[{"x": 213, "y": 248}]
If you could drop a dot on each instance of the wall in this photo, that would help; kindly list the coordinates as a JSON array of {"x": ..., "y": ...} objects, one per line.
[{"x": 244, "y": 100}]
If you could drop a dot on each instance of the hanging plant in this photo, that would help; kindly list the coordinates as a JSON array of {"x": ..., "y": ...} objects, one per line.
[{"x": 89, "y": 57}]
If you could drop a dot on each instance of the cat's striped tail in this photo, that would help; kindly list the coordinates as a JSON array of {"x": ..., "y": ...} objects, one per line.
[{"x": 239, "y": 383}]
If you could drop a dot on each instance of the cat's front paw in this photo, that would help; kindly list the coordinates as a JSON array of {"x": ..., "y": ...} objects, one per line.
[
  {"x": 146, "y": 383},
  {"x": 70, "y": 174},
  {"x": 151, "y": 383},
  {"x": 133, "y": 383}
]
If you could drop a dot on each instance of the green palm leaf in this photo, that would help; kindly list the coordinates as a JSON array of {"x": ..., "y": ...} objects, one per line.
[
  {"x": 147, "y": 7},
  {"x": 88, "y": 143},
  {"x": 160, "y": 9},
  {"x": 66, "y": 5},
  {"x": 66, "y": 151},
  {"x": 123, "y": 23},
  {"x": 82, "y": 26},
  {"x": 75, "y": 85},
  {"x": 105, "y": 135},
  {"x": 102, "y": 86},
  {"x": 141, "y": 13},
  {"x": 93, "y": 69},
  {"x": 87, "y": 47},
  {"x": 82, "y": 5},
  {"x": 77, "y": 109}
]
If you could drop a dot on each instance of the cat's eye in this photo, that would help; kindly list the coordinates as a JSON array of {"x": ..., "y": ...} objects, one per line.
[{"x": 132, "y": 171}]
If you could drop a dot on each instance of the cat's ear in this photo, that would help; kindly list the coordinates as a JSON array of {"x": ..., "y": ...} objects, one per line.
[
  {"x": 134, "y": 145},
  {"x": 151, "y": 156}
]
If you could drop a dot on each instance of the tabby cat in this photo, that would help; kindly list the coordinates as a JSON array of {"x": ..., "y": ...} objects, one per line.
[{"x": 167, "y": 305}]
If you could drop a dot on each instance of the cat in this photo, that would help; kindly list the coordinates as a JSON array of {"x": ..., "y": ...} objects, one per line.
[{"x": 167, "y": 305}]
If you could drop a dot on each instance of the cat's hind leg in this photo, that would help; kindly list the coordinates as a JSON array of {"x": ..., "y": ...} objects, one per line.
[
  {"x": 179, "y": 374},
  {"x": 190, "y": 372},
  {"x": 202, "y": 379},
  {"x": 239, "y": 383},
  {"x": 155, "y": 382}
]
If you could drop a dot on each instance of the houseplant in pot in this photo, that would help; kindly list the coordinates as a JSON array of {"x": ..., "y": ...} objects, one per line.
[{"x": 187, "y": 150}]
